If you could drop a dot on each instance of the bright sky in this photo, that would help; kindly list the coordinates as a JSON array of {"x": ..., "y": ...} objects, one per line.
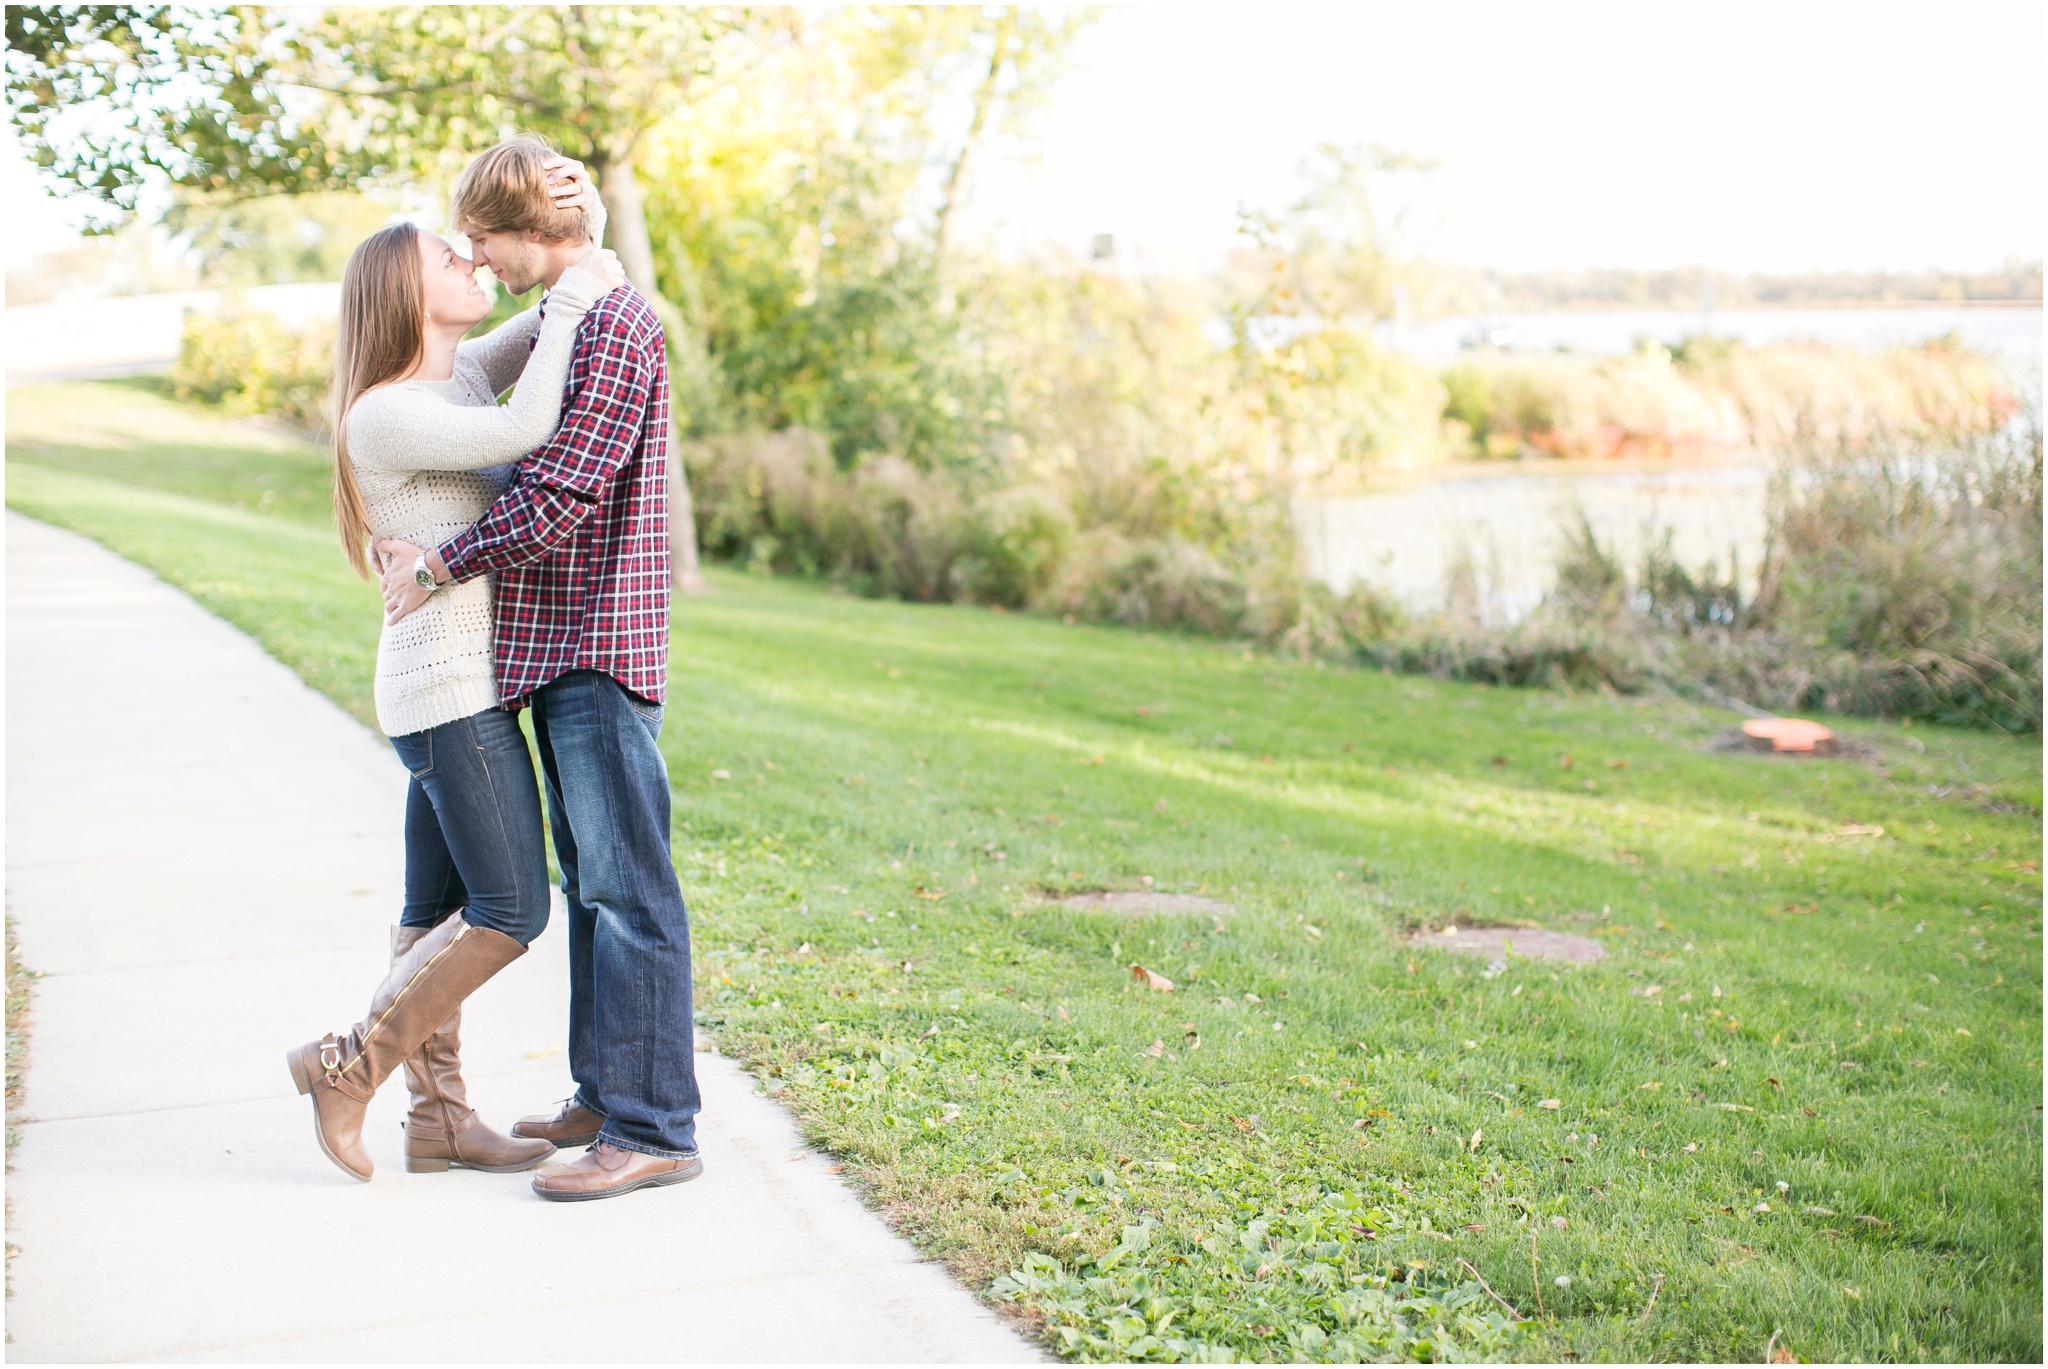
[{"x": 1783, "y": 137}]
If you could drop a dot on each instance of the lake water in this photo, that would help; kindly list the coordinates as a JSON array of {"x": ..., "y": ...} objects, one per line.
[
  {"x": 2008, "y": 332},
  {"x": 1512, "y": 524},
  {"x": 1511, "y": 521}
]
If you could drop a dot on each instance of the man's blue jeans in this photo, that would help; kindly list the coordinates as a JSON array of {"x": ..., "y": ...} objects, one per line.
[
  {"x": 473, "y": 837},
  {"x": 631, "y": 1038}
]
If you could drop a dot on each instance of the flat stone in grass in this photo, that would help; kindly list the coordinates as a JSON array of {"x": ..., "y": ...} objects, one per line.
[
  {"x": 1495, "y": 942},
  {"x": 1144, "y": 901}
]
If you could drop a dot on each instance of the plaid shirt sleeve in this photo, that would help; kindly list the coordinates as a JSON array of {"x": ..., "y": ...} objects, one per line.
[{"x": 560, "y": 482}]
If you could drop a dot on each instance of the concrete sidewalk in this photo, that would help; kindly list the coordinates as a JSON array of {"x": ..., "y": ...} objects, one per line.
[{"x": 202, "y": 858}]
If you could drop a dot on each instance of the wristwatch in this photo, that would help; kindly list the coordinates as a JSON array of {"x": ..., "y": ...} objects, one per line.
[{"x": 421, "y": 576}]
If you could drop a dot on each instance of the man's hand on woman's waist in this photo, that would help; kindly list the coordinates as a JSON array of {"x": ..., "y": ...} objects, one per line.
[{"x": 399, "y": 577}]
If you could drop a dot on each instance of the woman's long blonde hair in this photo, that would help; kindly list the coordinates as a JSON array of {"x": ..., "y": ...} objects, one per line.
[{"x": 381, "y": 335}]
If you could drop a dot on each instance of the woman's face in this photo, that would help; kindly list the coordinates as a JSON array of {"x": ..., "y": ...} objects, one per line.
[{"x": 453, "y": 296}]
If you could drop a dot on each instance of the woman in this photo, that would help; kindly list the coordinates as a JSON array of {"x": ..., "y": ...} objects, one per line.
[{"x": 420, "y": 451}]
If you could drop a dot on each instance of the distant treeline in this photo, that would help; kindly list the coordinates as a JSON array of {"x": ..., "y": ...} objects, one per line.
[{"x": 1470, "y": 290}]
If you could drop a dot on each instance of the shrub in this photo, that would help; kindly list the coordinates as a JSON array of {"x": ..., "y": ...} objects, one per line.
[
  {"x": 1899, "y": 581},
  {"x": 1713, "y": 395},
  {"x": 254, "y": 363},
  {"x": 760, "y": 498},
  {"x": 1153, "y": 581},
  {"x": 1017, "y": 542}
]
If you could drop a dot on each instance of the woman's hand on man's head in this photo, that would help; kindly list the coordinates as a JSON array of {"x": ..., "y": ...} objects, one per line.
[{"x": 569, "y": 184}]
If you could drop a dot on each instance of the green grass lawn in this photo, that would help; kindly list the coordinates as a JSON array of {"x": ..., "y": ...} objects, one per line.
[{"x": 1802, "y": 1095}]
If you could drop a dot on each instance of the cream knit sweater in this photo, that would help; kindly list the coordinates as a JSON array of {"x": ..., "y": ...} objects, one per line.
[{"x": 429, "y": 458}]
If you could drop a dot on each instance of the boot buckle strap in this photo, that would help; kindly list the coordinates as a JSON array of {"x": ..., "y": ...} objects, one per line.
[{"x": 330, "y": 1055}]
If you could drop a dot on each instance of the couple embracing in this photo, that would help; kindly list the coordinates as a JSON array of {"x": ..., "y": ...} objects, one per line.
[{"x": 524, "y": 557}]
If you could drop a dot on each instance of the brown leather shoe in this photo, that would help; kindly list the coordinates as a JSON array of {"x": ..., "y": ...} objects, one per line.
[
  {"x": 569, "y": 1125},
  {"x": 423, "y": 989},
  {"x": 441, "y": 1129},
  {"x": 606, "y": 1170}
]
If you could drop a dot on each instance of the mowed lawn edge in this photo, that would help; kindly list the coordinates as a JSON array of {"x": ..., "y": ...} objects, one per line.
[{"x": 984, "y": 1060}]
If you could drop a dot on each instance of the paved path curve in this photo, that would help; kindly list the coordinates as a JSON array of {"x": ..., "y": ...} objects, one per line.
[{"x": 202, "y": 857}]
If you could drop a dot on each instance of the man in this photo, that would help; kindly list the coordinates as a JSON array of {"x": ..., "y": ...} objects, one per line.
[{"x": 579, "y": 546}]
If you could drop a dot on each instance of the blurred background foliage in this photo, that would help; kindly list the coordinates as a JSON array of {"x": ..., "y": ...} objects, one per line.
[{"x": 868, "y": 395}]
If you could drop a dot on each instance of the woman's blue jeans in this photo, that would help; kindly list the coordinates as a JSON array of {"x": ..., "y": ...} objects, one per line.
[{"x": 472, "y": 827}]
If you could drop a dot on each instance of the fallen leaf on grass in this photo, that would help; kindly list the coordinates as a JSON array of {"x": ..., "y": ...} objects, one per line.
[
  {"x": 1653, "y": 1084},
  {"x": 1243, "y": 1123},
  {"x": 1473, "y": 1226},
  {"x": 1818, "y": 1211},
  {"x": 1855, "y": 1293},
  {"x": 1876, "y": 1222},
  {"x": 1783, "y": 1356},
  {"x": 1734, "y": 1107},
  {"x": 835, "y": 1169},
  {"x": 1156, "y": 1049},
  {"x": 1859, "y": 829},
  {"x": 1549, "y": 1104},
  {"x": 1152, "y": 980},
  {"x": 1476, "y": 1136}
]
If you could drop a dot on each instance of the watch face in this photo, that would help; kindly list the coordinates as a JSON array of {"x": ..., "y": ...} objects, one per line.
[{"x": 424, "y": 578}]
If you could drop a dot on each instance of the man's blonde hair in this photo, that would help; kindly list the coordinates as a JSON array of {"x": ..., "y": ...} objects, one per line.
[{"x": 504, "y": 190}]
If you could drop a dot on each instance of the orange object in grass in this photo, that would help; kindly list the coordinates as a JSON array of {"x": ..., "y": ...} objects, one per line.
[{"x": 1788, "y": 734}]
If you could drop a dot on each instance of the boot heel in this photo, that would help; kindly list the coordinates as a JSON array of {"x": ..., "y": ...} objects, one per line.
[
  {"x": 298, "y": 1071},
  {"x": 416, "y": 1166}
]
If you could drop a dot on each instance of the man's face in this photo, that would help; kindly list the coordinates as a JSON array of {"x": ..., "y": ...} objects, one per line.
[{"x": 511, "y": 257}]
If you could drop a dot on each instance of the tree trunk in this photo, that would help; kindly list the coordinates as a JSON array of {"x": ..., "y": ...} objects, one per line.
[
  {"x": 627, "y": 208},
  {"x": 956, "y": 182}
]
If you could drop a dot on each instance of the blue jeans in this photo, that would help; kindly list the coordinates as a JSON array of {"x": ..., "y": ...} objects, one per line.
[
  {"x": 631, "y": 1038},
  {"x": 472, "y": 827}
]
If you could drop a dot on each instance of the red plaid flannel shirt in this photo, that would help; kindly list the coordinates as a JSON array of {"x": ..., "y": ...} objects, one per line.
[{"x": 579, "y": 541}]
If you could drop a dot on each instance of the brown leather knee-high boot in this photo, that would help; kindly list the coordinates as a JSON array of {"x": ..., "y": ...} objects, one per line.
[
  {"x": 427, "y": 984},
  {"x": 441, "y": 1129}
]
